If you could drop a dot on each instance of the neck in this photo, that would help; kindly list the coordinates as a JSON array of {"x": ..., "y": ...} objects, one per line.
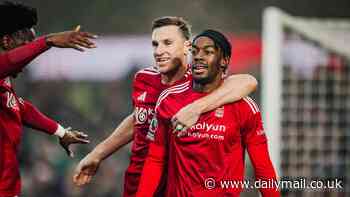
[
  {"x": 171, "y": 77},
  {"x": 207, "y": 87}
]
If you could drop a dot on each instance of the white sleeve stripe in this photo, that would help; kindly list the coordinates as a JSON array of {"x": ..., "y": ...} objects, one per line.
[
  {"x": 148, "y": 72},
  {"x": 174, "y": 88},
  {"x": 250, "y": 105},
  {"x": 174, "y": 91},
  {"x": 254, "y": 104},
  {"x": 151, "y": 69}
]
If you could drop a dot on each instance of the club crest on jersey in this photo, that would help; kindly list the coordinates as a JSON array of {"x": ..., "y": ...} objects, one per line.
[
  {"x": 142, "y": 97},
  {"x": 11, "y": 101},
  {"x": 219, "y": 112}
]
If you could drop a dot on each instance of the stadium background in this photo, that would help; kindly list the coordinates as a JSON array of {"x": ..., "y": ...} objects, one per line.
[{"x": 96, "y": 104}]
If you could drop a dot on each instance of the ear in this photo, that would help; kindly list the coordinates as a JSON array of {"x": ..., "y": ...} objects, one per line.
[
  {"x": 225, "y": 61},
  {"x": 187, "y": 47},
  {"x": 6, "y": 41}
]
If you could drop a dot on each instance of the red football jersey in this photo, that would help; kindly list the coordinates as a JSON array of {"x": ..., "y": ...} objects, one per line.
[
  {"x": 147, "y": 86},
  {"x": 14, "y": 113},
  {"x": 211, "y": 149},
  {"x": 13, "y": 61}
]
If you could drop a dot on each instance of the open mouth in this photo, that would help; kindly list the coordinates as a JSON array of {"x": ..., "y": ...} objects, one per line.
[
  {"x": 162, "y": 60},
  {"x": 199, "y": 68}
]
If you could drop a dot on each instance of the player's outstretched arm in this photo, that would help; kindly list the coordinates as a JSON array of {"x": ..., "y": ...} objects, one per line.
[
  {"x": 13, "y": 61},
  {"x": 74, "y": 39},
  {"x": 34, "y": 119},
  {"x": 234, "y": 88},
  {"x": 88, "y": 166}
]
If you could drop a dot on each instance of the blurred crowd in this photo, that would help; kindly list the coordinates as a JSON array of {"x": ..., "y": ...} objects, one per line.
[{"x": 93, "y": 107}]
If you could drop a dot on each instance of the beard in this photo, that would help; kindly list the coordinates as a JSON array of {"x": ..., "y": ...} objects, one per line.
[
  {"x": 173, "y": 68},
  {"x": 204, "y": 80}
]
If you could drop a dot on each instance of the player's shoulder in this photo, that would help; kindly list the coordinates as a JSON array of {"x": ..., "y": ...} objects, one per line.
[
  {"x": 149, "y": 76},
  {"x": 246, "y": 105},
  {"x": 147, "y": 72},
  {"x": 172, "y": 92}
]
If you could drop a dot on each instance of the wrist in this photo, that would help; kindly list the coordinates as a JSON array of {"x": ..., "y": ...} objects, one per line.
[
  {"x": 49, "y": 41},
  {"x": 98, "y": 154},
  {"x": 60, "y": 131}
]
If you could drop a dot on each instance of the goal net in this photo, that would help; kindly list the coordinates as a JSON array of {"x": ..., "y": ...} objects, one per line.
[{"x": 306, "y": 101}]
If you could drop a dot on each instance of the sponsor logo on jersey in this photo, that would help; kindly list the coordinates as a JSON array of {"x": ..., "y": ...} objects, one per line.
[
  {"x": 143, "y": 115},
  {"x": 142, "y": 97},
  {"x": 208, "y": 127},
  {"x": 11, "y": 101}
]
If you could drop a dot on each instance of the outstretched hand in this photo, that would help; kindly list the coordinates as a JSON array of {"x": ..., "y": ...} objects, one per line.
[
  {"x": 72, "y": 137},
  {"x": 86, "y": 169},
  {"x": 74, "y": 39}
]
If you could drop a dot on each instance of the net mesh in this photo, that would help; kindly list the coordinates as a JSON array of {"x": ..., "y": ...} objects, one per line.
[{"x": 315, "y": 122}]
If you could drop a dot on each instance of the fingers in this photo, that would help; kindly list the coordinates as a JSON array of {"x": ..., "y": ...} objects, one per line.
[
  {"x": 77, "y": 179},
  {"x": 76, "y": 133},
  {"x": 81, "y": 134},
  {"x": 81, "y": 39},
  {"x": 77, "y": 28},
  {"x": 81, "y": 179},
  {"x": 81, "y": 141},
  {"x": 87, "y": 42},
  {"x": 88, "y": 35},
  {"x": 81, "y": 138},
  {"x": 88, "y": 179},
  {"x": 80, "y": 43},
  {"x": 174, "y": 121},
  {"x": 179, "y": 129},
  {"x": 74, "y": 46},
  {"x": 68, "y": 151},
  {"x": 181, "y": 133}
]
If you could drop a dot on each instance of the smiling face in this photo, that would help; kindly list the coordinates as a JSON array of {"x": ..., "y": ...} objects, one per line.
[
  {"x": 206, "y": 60},
  {"x": 169, "y": 48}
]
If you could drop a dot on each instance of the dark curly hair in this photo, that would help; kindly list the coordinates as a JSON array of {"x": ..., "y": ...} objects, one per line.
[{"x": 16, "y": 16}]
